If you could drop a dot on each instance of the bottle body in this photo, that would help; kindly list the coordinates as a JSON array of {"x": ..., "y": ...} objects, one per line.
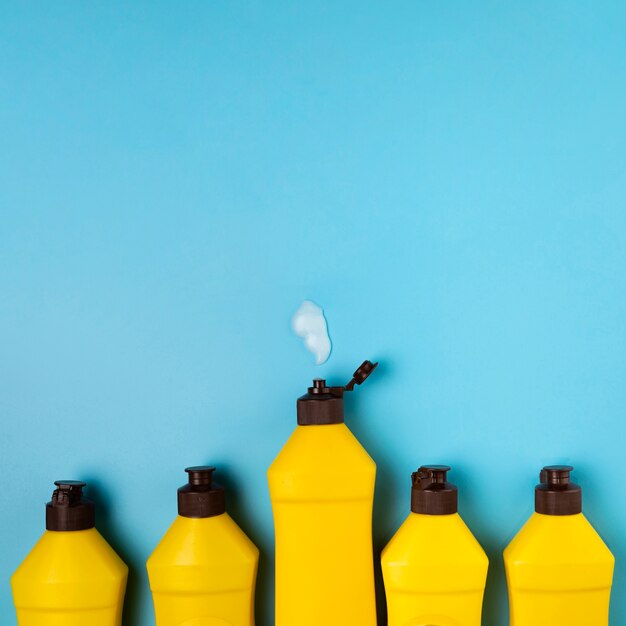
[
  {"x": 70, "y": 579},
  {"x": 559, "y": 573},
  {"x": 322, "y": 491},
  {"x": 434, "y": 572},
  {"x": 203, "y": 573}
]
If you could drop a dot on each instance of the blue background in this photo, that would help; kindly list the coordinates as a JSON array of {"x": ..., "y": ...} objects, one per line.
[{"x": 447, "y": 179}]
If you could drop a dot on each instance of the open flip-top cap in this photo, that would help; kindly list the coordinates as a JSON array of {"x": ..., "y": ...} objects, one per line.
[{"x": 323, "y": 404}]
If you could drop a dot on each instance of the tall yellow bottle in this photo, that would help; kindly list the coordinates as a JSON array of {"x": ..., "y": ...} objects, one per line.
[
  {"x": 72, "y": 577},
  {"x": 558, "y": 569},
  {"x": 434, "y": 569},
  {"x": 322, "y": 491},
  {"x": 203, "y": 572}
]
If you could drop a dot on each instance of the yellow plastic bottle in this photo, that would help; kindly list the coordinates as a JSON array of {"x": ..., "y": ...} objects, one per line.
[
  {"x": 434, "y": 569},
  {"x": 558, "y": 569},
  {"x": 203, "y": 572},
  {"x": 72, "y": 577},
  {"x": 322, "y": 491}
]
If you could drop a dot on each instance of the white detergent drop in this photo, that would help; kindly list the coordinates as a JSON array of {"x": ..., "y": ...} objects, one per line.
[{"x": 310, "y": 324}]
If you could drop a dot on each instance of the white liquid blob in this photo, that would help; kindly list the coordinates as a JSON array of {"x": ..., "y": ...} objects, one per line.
[{"x": 310, "y": 324}]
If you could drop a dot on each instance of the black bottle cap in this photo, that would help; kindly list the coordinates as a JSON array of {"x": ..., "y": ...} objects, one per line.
[
  {"x": 201, "y": 497},
  {"x": 69, "y": 510},
  {"x": 323, "y": 404},
  {"x": 556, "y": 495},
  {"x": 431, "y": 494}
]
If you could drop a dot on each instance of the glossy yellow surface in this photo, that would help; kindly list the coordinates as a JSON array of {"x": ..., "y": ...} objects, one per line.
[
  {"x": 559, "y": 573},
  {"x": 322, "y": 491},
  {"x": 203, "y": 573},
  {"x": 70, "y": 579},
  {"x": 434, "y": 572}
]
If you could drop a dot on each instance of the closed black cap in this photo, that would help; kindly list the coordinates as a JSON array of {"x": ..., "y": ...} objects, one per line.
[
  {"x": 431, "y": 494},
  {"x": 69, "y": 510},
  {"x": 201, "y": 497},
  {"x": 556, "y": 495},
  {"x": 323, "y": 404}
]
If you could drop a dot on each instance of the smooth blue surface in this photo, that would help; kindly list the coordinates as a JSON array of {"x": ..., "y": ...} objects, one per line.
[{"x": 447, "y": 179}]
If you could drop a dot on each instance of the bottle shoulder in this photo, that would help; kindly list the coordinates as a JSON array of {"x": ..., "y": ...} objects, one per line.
[
  {"x": 82, "y": 554},
  {"x": 437, "y": 539},
  {"x": 204, "y": 541},
  {"x": 322, "y": 447},
  {"x": 434, "y": 554},
  {"x": 557, "y": 538},
  {"x": 322, "y": 464}
]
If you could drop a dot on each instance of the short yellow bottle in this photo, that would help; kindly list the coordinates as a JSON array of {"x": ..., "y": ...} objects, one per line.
[
  {"x": 72, "y": 577},
  {"x": 322, "y": 490},
  {"x": 559, "y": 571},
  {"x": 203, "y": 572},
  {"x": 434, "y": 569}
]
